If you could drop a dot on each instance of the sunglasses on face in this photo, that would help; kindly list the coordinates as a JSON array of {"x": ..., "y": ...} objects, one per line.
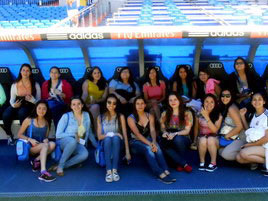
[
  {"x": 111, "y": 102},
  {"x": 239, "y": 63},
  {"x": 226, "y": 95}
]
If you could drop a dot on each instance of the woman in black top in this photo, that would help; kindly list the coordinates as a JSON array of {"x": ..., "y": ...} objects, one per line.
[
  {"x": 143, "y": 140},
  {"x": 244, "y": 82}
]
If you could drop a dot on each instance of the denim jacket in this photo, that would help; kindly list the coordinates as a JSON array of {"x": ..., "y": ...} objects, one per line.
[{"x": 70, "y": 130}]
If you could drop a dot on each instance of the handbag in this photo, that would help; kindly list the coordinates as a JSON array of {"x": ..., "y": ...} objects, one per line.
[
  {"x": 125, "y": 94},
  {"x": 99, "y": 154},
  {"x": 23, "y": 146},
  {"x": 224, "y": 142},
  {"x": 56, "y": 154}
]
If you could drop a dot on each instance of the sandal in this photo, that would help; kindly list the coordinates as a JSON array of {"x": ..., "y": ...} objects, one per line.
[
  {"x": 60, "y": 172},
  {"x": 53, "y": 168}
]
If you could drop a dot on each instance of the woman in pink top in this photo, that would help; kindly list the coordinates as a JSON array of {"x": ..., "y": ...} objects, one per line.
[
  {"x": 207, "y": 125},
  {"x": 206, "y": 85},
  {"x": 154, "y": 91}
]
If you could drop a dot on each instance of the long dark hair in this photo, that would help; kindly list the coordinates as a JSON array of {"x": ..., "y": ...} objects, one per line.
[
  {"x": 130, "y": 79},
  {"x": 30, "y": 77},
  {"x": 249, "y": 75},
  {"x": 224, "y": 108},
  {"x": 148, "y": 78},
  {"x": 135, "y": 113},
  {"x": 215, "y": 113},
  {"x": 48, "y": 116},
  {"x": 49, "y": 81},
  {"x": 106, "y": 113},
  {"x": 101, "y": 82},
  {"x": 169, "y": 111},
  {"x": 189, "y": 80}
]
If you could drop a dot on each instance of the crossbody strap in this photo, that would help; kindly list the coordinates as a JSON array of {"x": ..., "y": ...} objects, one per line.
[
  {"x": 31, "y": 128},
  {"x": 58, "y": 84},
  {"x": 67, "y": 122}
]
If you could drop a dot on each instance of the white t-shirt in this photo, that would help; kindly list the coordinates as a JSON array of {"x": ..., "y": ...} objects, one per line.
[{"x": 260, "y": 121}]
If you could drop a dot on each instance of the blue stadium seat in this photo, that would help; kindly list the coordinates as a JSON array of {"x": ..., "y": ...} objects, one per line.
[{"x": 38, "y": 76}]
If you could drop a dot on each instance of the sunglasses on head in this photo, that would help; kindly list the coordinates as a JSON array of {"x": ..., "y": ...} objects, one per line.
[
  {"x": 226, "y": 95},
  {"x": 111, "y": 102}
]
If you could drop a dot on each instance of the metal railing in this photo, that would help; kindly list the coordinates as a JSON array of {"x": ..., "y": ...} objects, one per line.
[{"x": 89, "y": 16}]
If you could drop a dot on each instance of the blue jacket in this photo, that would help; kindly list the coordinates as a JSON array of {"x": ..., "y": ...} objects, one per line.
[{"x": 70, "y": 130}]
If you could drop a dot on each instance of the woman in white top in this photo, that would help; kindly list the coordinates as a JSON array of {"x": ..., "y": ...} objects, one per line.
[
  {"x": 254, "y": 152},
  {"x": 25, "y": 92}
]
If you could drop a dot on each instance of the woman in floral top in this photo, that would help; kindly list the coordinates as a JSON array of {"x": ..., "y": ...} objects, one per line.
[{"x": 176, "y": 124}]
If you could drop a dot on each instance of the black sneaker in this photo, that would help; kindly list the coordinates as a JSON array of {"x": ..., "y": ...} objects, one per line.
[
  {"x": 46, "y": 176},
  {"x": 264, "y": 172},
  {"x": 202, "y": 167},
  {"x": 211, "y": 168},
  {"x": 167, "y": 179},
  {"x": 36, "y": 165},
  {"x": 11, "y": 141}
]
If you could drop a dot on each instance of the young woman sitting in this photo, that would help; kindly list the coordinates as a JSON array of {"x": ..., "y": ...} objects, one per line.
[
  {"x": 207, "y": 125},
  {"x": 154, "y": 91},
  {"x": 142, "y": 125},
  {"x": 113, "y": 131},
  {"x": 37, "y": 126},
  {"x": 176, "y": 124},
  {"x": 73, "y": 131}
]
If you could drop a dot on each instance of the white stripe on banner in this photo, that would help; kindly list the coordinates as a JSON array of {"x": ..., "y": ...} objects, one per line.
[
  {"x": 63, "y": 36},
  {"x": 198, "y": 34}
]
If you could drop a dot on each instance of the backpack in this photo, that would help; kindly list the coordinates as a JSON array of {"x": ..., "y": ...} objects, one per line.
[
  {"x": 23, "y": 146},
  {"x": 99, "y": 152},
  {"x": 56, "y": 154}
]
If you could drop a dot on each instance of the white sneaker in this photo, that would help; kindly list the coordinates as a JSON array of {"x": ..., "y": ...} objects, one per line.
[
  {"x": 116, "y": 176},
  {"x": 109, "y": 177}
]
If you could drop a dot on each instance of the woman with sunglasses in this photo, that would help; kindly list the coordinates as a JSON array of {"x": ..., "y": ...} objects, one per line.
[
  {"x": 58, "y": 94},
  {"x": 111, "y": 127},
  {"x": 125, "y": 89},
  {"x": 255, "y": 152},
  {"x": 232, "y": 127},
  {"x": 244, "y": 82},
  {"x": 95, "y": 91},
  {"x": 24, "y": 93},
  {"x": 38, "y": 123},
  {"x": 208, "y": 123},
  {"x": 176, "y": 124},
  {"x": 142, "y": 125},
  {"x": 73, "y": 131},
  {"x": 154, "y": 91}
]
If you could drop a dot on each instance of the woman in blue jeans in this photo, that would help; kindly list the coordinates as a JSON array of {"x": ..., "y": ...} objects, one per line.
[
  {"x": 176, "y": 124},
  {"x": 73, "y": 132},
  {"x": 111, "y": 128},
  {"x": 143, "y": 141}
]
